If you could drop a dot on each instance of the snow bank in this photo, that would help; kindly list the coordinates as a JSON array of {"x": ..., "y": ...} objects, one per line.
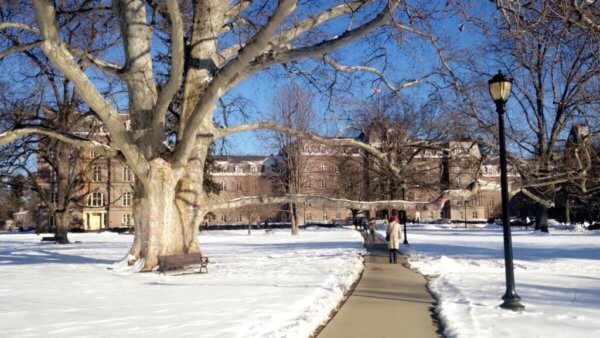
[{"x": 556, "y": 275}]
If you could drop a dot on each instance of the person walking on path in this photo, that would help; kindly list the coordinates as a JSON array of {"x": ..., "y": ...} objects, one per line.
[
  {"x": 394, "y": 236},
  {"x": 372, "y": 228}
]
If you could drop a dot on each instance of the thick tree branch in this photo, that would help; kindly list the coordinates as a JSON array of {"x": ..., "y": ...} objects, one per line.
[
  {"x": 284, "y": 56},
  {"x": 72, "y": 139},
  {"x": 222, "y": 80},
  {"x": 5, "y": 25},
  {"x": 101, "y": 64},
  {"x": 375, "y": 71},
  {"x": 18, "y": 48},
  {"x": 176, "y": 74},
  {"x": 58, "y": 54}
]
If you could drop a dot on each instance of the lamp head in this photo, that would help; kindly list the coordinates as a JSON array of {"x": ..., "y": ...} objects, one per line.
[{"x": 499, "y": 87}]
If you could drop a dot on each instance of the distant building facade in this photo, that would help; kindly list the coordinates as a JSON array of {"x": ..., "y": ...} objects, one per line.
[{"x": 107, "y": 194}]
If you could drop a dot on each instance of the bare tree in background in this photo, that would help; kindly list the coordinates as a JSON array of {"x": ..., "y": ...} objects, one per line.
[
  {"x": 555, "y": 66},
  {"x": 292, "y": 108}
]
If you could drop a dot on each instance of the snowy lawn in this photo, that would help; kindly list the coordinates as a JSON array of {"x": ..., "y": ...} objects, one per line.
[
  {"x": 259, "y": 285},
  {"x": 557, "y": 276}
]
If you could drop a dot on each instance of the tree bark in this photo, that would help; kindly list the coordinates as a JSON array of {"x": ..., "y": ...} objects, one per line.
[
  {"x": 158, "y": 229},
  {"x": 61, "y": 226},
  {"x": 541, "y": 218},
  {"x": 294, "y": 219}
]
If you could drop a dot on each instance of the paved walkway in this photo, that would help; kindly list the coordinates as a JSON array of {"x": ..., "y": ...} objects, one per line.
[{"x": 390, "y": 300}]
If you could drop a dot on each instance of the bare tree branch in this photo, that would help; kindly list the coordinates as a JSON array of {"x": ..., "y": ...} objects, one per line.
[
  {"x": 176, "y": 73},
  {"x": 72, "y": 139}
]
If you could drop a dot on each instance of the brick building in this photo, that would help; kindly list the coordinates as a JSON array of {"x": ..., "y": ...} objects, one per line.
[{"x": 106, "y": 195}]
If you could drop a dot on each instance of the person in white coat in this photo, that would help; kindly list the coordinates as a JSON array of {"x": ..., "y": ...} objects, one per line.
[{"x": 395, "y": 236}]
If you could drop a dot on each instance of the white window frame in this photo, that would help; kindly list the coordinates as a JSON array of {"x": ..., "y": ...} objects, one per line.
[
  {"x": 96, "y": 174},
  {"x": 96, "y": 199},
  {"x": 126, "y": 199},
  {"x": 126, "y": 219},
  {"x": 54, "y": 198},
  {"x": 126, "y": 173}
]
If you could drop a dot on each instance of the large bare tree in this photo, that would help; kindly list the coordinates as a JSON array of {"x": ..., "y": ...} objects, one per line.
[
  {"x": 553, "y": 59},
  {"x": 220, "y": 45}
]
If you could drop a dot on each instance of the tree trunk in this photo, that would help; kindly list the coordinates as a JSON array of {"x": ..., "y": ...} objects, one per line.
[
  {"x": 159, "y": 230},
  {"x": 294, "y": 219},
  {"x": 568, "y": 210},
  {"x": 354, "y": 218},
  {"x": 541, "y": 218},
  {"x": 61, "y": 227}
]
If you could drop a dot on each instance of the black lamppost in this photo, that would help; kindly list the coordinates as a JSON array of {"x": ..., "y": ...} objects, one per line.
[
  {"x": 403, "y": 187},
  {"x": 499, "y": 87}
]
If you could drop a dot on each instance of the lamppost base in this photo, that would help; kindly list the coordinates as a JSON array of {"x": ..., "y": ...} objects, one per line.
[
  {"x": 513, "y": 304},
  {"x": 406, "y": 242}
]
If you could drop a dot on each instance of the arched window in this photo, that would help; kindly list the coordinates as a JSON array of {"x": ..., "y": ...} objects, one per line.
[
  {"x": 237, "y": 169},
  {"x": 127, "y": 199},
  {"x": 96, "y": 199},
  {"x": 253, "y": 169}
]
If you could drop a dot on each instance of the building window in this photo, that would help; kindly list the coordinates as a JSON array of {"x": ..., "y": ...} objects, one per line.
[
  {"x": 457, "y": 169},
  {"x": 237, "y": 169},
  {"x": 223, "y": 218},
  {"x": 475, "y": 214},
  {"x": 126, "y": 219},
  {"x": 54, "y": 198},
  {"x": 94, "y": 154},
  {"x": 223, "y": 185},
  {"x": 126, "y": 174},
  {"x": 323, "y": 167},
  {"x": 472, "y": 170},
  {"x": 238, "y": 218},
  {"x": 52, "y": 176},
  {"x": 127, "y": 199},
  {"x": 96, "y": 174},
  {"x": 459, "y": 203},
  {"x": 96, "y": 199},
  {"x": 323, "y": 183},
  {"x": 491, "y": 201},
  {"x": 308, "y": 216},
  {"x": 253, "y": 169},
  {"x": 238, "y": 185}
]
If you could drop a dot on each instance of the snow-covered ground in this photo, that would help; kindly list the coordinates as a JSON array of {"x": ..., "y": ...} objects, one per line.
[
  {"x": 557, "y": 276},
  {"x": 259, "y": 285}
]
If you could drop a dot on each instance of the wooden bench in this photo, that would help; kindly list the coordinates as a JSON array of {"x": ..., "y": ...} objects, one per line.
[
  {"x": 48, "y": 239},
  {"x": 175, "y": 262}
]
